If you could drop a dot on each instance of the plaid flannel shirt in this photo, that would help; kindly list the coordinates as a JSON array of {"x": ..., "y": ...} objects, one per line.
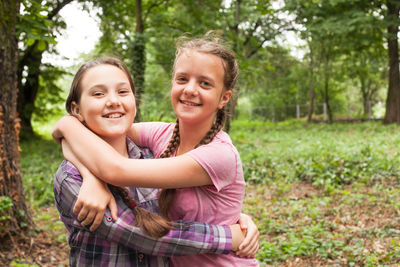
[{"x": 119, "y": 243}]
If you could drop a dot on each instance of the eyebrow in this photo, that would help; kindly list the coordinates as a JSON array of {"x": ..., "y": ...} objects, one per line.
[
  {"x": 201, "y": 77},
  {"x": 103, "y": 86}
]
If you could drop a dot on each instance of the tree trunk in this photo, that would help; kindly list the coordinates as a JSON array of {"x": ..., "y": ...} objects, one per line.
[
  {"x": 326, "y": 55},
  {"x": 20, "y": 219},
  {"x": 28, "y": 91},
  {"x": 311, "y": 91},
  {"x": 392, "y": 114},
  {"x": 365, "y": 96},
  {"x": 139, "y": 57}
]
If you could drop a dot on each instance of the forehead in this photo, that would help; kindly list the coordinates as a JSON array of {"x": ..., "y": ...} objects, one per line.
[
  {"x": 104, "y": 73},
  {"x": 199, "y": 63}
]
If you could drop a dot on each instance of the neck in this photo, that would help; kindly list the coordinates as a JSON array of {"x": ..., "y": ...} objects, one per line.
[
  {"x": 191, "y": 135},
  {"x": 119, "y": 144}
]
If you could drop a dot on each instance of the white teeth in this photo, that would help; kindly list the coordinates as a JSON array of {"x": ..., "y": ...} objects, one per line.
[
  {"x": 189, "y": 104},
  {"x": 115, "y": 115}
]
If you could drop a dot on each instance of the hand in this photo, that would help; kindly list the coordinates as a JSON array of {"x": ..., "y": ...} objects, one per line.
[
  {"x": 56, "y": 132},
  {"x": 93, "y": 199},
  {"x": 250, "y": 245}
]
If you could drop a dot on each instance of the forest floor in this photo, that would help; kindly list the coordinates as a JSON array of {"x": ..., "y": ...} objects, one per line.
[
  {"x": 47, "y": 247},
  {"x": 338, "y": 228},
  {"x": 321, "y": 195}
]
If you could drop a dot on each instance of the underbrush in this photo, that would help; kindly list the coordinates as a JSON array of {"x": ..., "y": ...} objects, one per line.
[
  {"x": 40, "y": 159},
  {"x": 327, "y": 155},
  {"x": 321, "y": 195}
]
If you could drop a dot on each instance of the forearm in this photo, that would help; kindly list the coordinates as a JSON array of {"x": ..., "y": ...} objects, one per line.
[
  {"x": 105, "y": 163},
  {"x": 84, "y": 147},
  {"x": 199, "y": 238}
]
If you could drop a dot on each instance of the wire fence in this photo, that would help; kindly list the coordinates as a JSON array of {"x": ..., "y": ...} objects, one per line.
[{"x": 298, "y": 111}]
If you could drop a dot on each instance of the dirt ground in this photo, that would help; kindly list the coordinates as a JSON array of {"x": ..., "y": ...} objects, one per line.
[{"x": 43, "y": 249}]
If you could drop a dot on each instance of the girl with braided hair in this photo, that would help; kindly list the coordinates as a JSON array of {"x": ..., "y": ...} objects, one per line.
[
  {"x": 102, "y": 98},
  {"x": 199, "y": 169}
]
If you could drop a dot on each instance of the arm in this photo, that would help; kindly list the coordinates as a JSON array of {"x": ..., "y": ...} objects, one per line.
[
  {"x": 199, "y": 238},
  {"x": 107, "y": 164}
]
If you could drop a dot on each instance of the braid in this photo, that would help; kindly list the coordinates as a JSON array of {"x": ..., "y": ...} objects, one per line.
[
  {"x": 167, "y": 195},
  {"x": 217, "y": 126},
  {"x": 173, "y": 142},
  {"x": 150, "y": 223}
]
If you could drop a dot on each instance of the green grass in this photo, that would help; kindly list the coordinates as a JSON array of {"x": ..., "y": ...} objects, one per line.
[
  {"x": 40, "y": 158},
  {"x": 321, "y": 195}
]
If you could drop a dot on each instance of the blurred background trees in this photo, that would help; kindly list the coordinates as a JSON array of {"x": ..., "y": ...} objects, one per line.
[{"x": 342, "y": 65}]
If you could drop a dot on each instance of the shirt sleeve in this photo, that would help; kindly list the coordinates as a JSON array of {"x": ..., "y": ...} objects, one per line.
[
  {"x": 198, "y": 238},
  {"x": 220, "y": 160}
]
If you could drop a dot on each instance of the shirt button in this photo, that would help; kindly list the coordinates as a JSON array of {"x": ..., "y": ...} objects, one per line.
[
  {"x": 109, "y": 219},
  {"x": 140, "y": 256}
]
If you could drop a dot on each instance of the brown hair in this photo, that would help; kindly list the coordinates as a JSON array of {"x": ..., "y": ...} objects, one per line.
[
  {"x": 150, "y": 223},
  {"x": 210, "y": 43}
]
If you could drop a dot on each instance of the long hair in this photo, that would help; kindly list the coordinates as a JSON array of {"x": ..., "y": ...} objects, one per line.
[
  {"x": 150, "y": 223},
  {"x": 212, "y": 44}
]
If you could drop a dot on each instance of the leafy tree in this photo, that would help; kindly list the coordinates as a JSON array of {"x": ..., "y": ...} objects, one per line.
[
  {"x": 15, "y": 219},
  {"x": 39, "y": 21},
  {"x": 356, "y": 28}
]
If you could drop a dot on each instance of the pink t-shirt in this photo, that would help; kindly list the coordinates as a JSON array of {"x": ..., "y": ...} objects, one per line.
[{"x": 219, "y": 203}]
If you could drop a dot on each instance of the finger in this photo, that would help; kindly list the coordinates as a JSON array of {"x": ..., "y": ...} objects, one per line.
[
  {"x": 89, "y": 218},
  {"x": 243, "y": 222},
  {"x": 112, "y": 205},
  {"x": 96, "y": 222},
  {"x": 82, "y": 213},
  {"x": 251, "y": 235},
  {"x": 78, "y": 206},
  {"x": 249, "y": 249}
]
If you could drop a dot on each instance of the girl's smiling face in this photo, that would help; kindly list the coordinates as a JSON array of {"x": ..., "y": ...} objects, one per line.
[
  {"x": 198, "y": 87},
  {"x": 107, "y": 104}
]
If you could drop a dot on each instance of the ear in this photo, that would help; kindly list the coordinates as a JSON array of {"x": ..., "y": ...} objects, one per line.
[
  {"x": 224, "y": 98},
  {"x": 76, "y": 111}
]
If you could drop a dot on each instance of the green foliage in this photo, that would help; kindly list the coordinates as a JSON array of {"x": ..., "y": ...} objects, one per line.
[
  {"x": 17, "y": 264},
  {"x": 40, "y": 159},
  {"x": 34, "y": 25},
  {"x": 314, "y": 188},
  {"x": 50, "y": 100},
  {"x": 5, "y": 207},
  {"x": 329, "y": 156}
]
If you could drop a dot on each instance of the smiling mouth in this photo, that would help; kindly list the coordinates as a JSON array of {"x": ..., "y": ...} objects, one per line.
[
  {"x": 113, "y": 115},
  {"x": 189, "y": 103}
]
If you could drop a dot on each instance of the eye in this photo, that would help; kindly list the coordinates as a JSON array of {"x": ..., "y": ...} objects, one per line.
[
  {"x": 180, "y": 79},
  {"x": 124, "y": 91},
  {"x": 205, "y": 84},
  {"x": 97, "y": 94}
]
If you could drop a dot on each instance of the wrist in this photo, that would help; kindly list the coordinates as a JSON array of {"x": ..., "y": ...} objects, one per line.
[{"x": 237, "y": 236}]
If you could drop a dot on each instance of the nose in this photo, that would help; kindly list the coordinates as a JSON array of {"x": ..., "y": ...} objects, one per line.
[
  {"x": 191, "y": 88},
  {"x": 113, "y": 100}
]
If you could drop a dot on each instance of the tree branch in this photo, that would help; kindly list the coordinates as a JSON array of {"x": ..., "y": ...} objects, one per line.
[{"x": 57, "y": 9}]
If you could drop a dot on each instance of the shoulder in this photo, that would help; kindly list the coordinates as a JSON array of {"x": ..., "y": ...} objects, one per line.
[
  {"x": 220, "y": 159},
  {"x": 220, "y": 147},
  {"x": 67, "y": 170},
  {"x": 154, "y": 127},
  {"x": 67, "y": 178}
]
